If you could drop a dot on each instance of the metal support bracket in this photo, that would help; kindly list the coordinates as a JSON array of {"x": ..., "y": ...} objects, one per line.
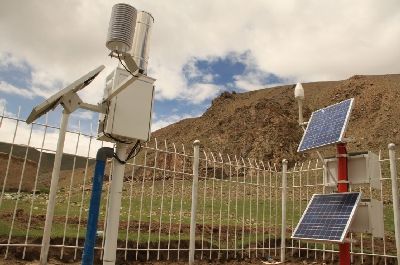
[
  {"x": 127, "y": 82},
  {"x": 343, "y": 181},
  {"x": 70, "y": 102},
  {"x": 100, "y": 108},
  {"x": 127, "y": 58},
  {"x": 349, "y": 140}
]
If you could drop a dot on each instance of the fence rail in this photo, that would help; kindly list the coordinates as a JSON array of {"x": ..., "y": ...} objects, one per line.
[{"x": 239, "y": 202}]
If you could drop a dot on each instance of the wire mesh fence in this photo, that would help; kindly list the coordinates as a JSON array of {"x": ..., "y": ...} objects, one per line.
[{"x": 238, "y": 213}]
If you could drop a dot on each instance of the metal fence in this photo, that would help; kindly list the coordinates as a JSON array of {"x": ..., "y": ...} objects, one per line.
[{"x": 239, "y": 205}]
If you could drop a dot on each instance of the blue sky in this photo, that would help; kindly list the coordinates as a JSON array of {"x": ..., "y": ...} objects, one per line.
[
  {"x": 221, "y": 72},
  {"x": 196, "y": 51}
]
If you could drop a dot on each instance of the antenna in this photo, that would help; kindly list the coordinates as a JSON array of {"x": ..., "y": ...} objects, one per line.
[{"x": 299, "y": 96}]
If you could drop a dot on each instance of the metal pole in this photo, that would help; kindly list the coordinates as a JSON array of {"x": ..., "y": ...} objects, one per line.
[
  {"x": 284, "y": 198},
  {"x": 343, "y": 186},
  {"x": 90, "y": 240},
  {"x": 196, "y": 145},
  {"x": 395, "y": 194},
  {"x": 301, "y": 120},
  {"x": 114, "y": 205},
  {"x": 53, "y": 189}
]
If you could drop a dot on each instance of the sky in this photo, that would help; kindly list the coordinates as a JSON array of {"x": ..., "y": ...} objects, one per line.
[{"x": 198, "y": 49}]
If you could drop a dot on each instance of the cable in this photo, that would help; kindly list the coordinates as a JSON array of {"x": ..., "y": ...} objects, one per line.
[
  {"x": 132, "y": 153},
  {"x": 126, "y": 68}
]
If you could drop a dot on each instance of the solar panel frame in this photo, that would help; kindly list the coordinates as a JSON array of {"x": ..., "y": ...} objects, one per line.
[
  {"x": 342, "y": 132},
  {"x": 346, "y": 228},
  {"x": 52, "y": 102}
]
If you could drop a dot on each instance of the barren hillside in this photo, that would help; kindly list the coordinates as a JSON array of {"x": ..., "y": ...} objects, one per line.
[
  {"x": 263, "y": 124},
  {"x": 259, "y": 124}
]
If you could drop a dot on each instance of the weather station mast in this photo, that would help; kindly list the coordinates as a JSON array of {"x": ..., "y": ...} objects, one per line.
[
  {"x": 125, "y": 120},
  {"x": 332, "y": 216},
  {"x": 129, "y": 96}
]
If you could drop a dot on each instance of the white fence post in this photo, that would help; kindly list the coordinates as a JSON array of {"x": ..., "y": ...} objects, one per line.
[
  {"x": 53, "y": 189},
  {"x": 114, "y": 206},
  {"x": 196, "y": 145},
  {"x": 284, "y": 197},
  {"x": 395, "y": 194}
]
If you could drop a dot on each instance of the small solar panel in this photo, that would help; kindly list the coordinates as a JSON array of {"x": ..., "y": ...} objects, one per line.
[
  {"x": 326, "y": 126},
  {"x": 327, "y": 217}
]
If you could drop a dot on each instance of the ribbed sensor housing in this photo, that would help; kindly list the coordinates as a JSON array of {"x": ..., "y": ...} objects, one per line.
[{"x": 121, "y": 28}]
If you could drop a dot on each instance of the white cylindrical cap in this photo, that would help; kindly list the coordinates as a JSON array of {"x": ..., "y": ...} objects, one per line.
[{"x": 299, "y": 91}]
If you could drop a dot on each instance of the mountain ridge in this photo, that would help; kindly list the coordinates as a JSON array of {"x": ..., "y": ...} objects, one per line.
[{"x": 263, "y": 124}]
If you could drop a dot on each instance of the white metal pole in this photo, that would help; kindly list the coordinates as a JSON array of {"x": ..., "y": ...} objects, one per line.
[
  {"x": 53, "y": 189},
  {"x": 114, "y": 205},
  {"x": 301, "y": 119},
  {"x": 195, "y": 186},
  {"x": 395, "y": 194},
  {"x": 284, "y": 197}
]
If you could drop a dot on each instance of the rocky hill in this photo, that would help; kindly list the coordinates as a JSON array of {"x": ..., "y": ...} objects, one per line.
[{"x": 263, "y": 124}]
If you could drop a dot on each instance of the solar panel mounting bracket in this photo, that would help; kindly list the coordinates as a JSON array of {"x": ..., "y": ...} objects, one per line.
[
  {"x": 100, "y": 108},
  {"x": 349, "y": 140},
  {"x": 350, "y": 240},
  {"x": 304, "y": 123},
  {"x": 342, "y": 181}
]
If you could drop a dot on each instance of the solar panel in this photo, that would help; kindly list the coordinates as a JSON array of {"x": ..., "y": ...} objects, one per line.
[
  {"x": 54, "y": 100},
  {"x": 327, "y": 217},
  {"x": 326, "y": 126}
]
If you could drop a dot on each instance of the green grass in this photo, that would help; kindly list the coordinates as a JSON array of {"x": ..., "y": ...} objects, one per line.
[{"x": 216, "y": 210}]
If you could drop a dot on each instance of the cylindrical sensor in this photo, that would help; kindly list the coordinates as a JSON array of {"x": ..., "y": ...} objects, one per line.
[
  {"x": 121, "y": 28},
  {"x": 141, "y": 40}
]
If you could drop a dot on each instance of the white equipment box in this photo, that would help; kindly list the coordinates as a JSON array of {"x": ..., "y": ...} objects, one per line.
[
  {"x": 129, "y": 113},
  {"x": 368, "y": 218},
  {"x": 363, "y": 168}
]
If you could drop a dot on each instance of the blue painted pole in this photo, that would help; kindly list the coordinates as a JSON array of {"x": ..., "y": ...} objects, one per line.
[{"x": 91, "y": 230}]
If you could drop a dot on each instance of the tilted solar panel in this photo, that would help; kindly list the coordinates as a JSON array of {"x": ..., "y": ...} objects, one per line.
[
  {"x": 326, "y": 126},
  {"x": 327, "y": 217}
]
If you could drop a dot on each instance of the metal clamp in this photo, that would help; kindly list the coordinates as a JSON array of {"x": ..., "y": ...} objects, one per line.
[{"x": 342, "y": 182}]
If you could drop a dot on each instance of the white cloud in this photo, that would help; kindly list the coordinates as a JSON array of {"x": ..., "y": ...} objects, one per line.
[
  {"x": 83, "y": 114},
  {"x": 7, "y": 60},
  {"x": 10, "y": 89},
  {"x": 165, "y": 121},
  {"x": 308, "y": 40},
  {"x": 36, "y": 136},
  {"x": 3, "y": 110},
  {"x": 3, "y": 103},
  {"x": 199, "y": 92}
]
